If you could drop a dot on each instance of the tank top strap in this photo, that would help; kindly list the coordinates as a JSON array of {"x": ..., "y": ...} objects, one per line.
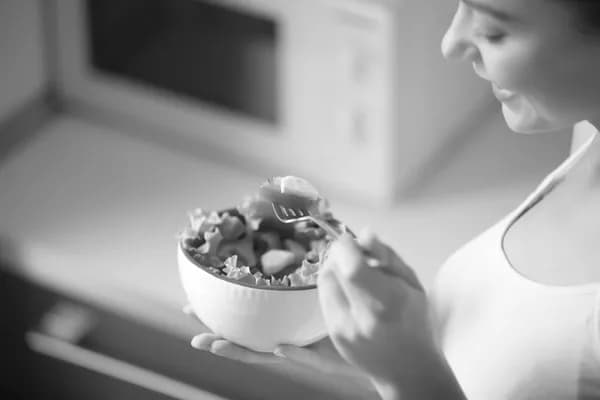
[{"x": 552, "y": 179}]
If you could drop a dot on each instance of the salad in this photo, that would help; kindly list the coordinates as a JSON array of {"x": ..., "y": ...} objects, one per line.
[{"x": 249, "y": 245}]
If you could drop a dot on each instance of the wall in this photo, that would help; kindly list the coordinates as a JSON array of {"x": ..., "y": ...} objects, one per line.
[
  {"x": 22, "y": 71},
  {"x": 437, "y": 100}
]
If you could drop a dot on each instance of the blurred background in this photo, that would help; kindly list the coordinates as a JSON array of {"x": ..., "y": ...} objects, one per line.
[{"x": 116, "y": 118}]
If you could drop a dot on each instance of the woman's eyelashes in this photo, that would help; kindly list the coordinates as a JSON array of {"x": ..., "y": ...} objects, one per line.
[
  {"x": 488, "y": 31},
  {"x": 494, "y": 38}
]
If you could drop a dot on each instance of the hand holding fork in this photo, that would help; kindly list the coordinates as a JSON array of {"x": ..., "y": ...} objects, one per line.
[{"x": 301, "y": 204}]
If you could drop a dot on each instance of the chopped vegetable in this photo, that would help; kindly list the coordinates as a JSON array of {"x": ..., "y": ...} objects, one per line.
[
  {"x": 275, "y": 261},
  {"x": 249, "y": 245}
]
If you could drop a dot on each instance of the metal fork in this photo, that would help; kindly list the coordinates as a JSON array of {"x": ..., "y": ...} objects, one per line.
[
  {"x": 298, "y": 214},
  {"x": 288, "y": 215}
]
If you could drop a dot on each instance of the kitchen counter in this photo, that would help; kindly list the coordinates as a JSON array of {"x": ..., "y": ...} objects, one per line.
[{"x": 95, "y": 212}]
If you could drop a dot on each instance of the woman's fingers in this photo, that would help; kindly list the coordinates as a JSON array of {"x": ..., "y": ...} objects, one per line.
[
  {"x": 361, "y": 285},
  {"x": 217, "y": 345},
  {"x": 388, "y": 259},
  {"x": 346, "y": 252},
  {"x": 345, "y": 314},
  {"x": 232, "y": 351},
  {"x": 308, "y": 358},
  {"x": 203, "y": 341},
  {"x": 323, "y": 357},
  {"x": 366, "y": 290},
  {"x": 333, "y": 300},
  {"x": 369, "y": 241},
  {"x": 224, "y": 348},
  {"x": 327, "y": 361}
]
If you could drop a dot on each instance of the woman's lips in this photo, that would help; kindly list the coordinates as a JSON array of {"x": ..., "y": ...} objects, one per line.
[{"x": 502, "y": 94}]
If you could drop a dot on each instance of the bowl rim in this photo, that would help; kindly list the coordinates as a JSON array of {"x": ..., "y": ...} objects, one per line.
[{"x": 204, "y": 268}]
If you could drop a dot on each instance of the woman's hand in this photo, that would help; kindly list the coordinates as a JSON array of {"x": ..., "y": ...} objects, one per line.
[
  {"x": 319, "y": 362},
  {"x": 378, "y": 318},
  {"x": 321, "y": 356}
]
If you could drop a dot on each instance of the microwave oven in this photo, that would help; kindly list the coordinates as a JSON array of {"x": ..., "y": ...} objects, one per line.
[{"x": 330, "y": 90}]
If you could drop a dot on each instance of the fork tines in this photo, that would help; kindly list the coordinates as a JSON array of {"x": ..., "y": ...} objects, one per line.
[{"x": 292, "y": 212}]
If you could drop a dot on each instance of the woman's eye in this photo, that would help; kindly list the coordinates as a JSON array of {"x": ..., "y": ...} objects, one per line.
[
  {"x": 491, "y": 37},
  {"x": 495, "y": 38}
]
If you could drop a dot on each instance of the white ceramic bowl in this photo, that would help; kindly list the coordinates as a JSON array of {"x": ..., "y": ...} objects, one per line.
[{"x": 255, "y": 317}]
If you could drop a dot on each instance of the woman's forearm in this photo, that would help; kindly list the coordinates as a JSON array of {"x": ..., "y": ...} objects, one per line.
[{"x": 433, "y": 379}]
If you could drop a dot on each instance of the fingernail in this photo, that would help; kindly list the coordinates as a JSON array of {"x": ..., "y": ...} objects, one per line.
[
  {"x": 196, "y": 343},
  {"x": 367, "y": 235},
  {"x": 373, "y": 262},
  {"x": 278, "y": 352}
]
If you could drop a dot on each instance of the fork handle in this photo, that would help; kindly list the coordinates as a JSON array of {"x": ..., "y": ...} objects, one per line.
[
  {"x": 371, "y": 260},
  {"x": 334, "y": 233}
]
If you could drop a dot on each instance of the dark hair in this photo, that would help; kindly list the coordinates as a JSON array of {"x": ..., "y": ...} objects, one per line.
[{"x": 586, "y": 13}]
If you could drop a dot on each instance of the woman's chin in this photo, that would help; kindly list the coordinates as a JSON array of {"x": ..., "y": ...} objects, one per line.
[{"x": 525, "y": 120}]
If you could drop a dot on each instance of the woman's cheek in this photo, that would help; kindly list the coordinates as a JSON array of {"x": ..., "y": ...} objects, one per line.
[{"x": 512, "y": 66}]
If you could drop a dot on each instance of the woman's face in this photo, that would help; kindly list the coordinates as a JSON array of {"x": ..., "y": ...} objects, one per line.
[{"x": 543, "y": 71}]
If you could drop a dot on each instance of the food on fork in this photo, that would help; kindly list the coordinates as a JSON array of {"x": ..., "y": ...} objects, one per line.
[{"x": 291, "y": 191}]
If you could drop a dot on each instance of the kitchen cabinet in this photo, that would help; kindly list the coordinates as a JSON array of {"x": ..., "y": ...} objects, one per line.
[{"x": 63, "y": 347}]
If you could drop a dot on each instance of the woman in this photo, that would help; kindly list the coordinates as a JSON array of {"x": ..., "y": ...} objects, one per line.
[{"x": 515, "y": 313}]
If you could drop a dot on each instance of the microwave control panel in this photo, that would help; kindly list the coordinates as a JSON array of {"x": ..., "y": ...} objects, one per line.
[{"x": 362, "y": 45}]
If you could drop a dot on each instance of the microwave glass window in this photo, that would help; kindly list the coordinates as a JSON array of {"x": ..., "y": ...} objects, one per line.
[{"x": 201, "y": 50}]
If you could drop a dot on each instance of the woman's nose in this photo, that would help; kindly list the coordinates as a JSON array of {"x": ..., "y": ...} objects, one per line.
[{"x": 456, "y": 44}]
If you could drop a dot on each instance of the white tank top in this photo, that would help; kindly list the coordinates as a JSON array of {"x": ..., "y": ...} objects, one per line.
[{"x": 508, "y": 337}]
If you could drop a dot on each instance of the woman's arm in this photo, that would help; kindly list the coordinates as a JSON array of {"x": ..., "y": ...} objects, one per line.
[
  {"x": 379, "y": 321},
  {"x": 431, "y": 379}
]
